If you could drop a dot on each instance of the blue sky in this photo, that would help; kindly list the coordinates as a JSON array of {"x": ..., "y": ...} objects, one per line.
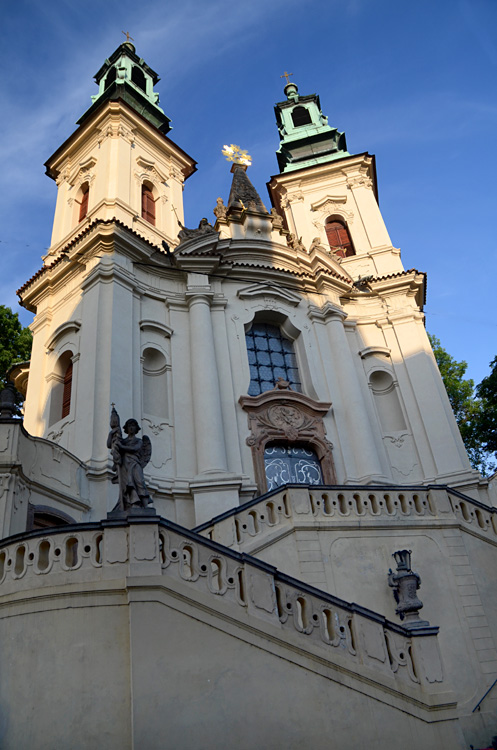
[{"x": 413, "y": 84}]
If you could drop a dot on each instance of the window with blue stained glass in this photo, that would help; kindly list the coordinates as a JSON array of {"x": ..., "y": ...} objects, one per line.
[
  {"x": 270, "y": 356},
  {"x": 291, "y": 465}
]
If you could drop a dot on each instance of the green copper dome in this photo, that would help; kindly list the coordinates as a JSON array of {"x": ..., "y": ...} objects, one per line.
[
  {"x": 126, "y": 76},
  {"x": 306, "y": 139}
]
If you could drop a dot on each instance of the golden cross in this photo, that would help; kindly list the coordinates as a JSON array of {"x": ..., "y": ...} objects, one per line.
[
  {"x": 128, "y": 37},
  {"x": 237, "y": 155},
  {"x": 287, "y": 76}
]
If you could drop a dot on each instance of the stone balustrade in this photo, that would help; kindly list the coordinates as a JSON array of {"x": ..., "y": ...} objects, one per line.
[
  {"x": 241, "y": 587},
  {"x": 474, "y": 515},
  {"x": 295, "y": 505}
]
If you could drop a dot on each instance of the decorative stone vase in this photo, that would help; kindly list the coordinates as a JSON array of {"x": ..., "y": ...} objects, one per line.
[{"x": 405, "y": 583}]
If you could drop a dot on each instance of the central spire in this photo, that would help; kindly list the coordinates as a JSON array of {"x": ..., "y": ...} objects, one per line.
[{"x": 243, "y": 194}]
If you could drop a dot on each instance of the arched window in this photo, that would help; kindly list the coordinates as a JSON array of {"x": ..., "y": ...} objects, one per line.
[
  {"x": 339, "y": 238},
  {"x": 66, "y": 393},
  {"x": 295, "y": 464},
  {"x": 270, "y": 356},
  {"x": 46, "y": 520},
  {"x": 83, "y": 206},
  {"x": 148, "y": 204},
  {"x": 138, "y": 77},
  {"x": 301, "y": 116}
]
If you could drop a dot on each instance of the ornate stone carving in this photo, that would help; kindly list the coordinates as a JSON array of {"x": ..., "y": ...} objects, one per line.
[
  {"x": 285, "y": 416},
  {"x": 277, "y": 219},
  {"x": 295, "y": 243},
  {"x": 176, "y": 174},
  {"x": 316, "y": 244},
  {"x": 220, "y": 210},
  {"x": 397, "y": 440},
  {"x": 22, "y": 494},
  {"x": 295, "y": 197},
  {"x": 63, "y": 176},
  {"x": 56, "y": 435},
  {"x": 334, "y": 200},
  {"x": 359, "y": 180},
  {"x": 4, "y": 484}
]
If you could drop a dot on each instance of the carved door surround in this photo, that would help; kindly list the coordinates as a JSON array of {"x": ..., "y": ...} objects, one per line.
[{"x": 287, "y": 417}]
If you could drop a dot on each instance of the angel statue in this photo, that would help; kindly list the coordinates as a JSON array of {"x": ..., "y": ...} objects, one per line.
[{"x": 130, "y": 456}]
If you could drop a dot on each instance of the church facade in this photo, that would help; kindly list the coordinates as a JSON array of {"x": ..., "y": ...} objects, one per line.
[{"x": 300, "y": 433}]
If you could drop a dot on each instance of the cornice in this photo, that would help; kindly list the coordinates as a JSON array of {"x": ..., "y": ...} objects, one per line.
[
  {"x": 336, "y": 166},
  {"x": 95, "y": 128},
  {"x": 106, "y": 272},
  {"x": 411, "y": 282},
  {"x": 90, "y": 232},
  {"x": 402, "y": 316}
]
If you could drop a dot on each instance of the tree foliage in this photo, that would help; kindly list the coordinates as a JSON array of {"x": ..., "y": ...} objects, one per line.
[
  {"x": 487, "y": 393},
  {"x": 469, "y": 409},
  {"x": 15, "y": 343}
]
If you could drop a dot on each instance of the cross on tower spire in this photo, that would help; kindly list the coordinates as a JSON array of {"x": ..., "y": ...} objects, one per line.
[{"x": 287, "y": 76}]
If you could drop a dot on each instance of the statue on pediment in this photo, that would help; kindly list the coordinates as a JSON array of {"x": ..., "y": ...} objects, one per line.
[{"x": 189, "y": 234}]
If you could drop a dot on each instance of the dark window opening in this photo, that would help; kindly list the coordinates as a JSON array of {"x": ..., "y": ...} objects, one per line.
[
  {"x": 83, "y": 206},
  {"x": 286, "y": 464},
  {"x": 148, "y": 205},
  {"x": 271, "y": 356},
  {"x": 138, "y": 77},
  {"x": 111, "y": 77},
  {"x": 301, "y": 116},
  {"x": 339, "y": 238},
  {"x": 46, "y": 521},
  {"x": 66, "y": 395}
]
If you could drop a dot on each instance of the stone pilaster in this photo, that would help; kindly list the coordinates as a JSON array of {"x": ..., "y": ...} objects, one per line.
[
  {"x": 209, "y": 432},
  {"x": 351, "y": 415}
]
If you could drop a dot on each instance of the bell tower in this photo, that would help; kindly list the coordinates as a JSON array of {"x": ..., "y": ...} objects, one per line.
[
  {"x": 306, "y": 138},
  {"x": 325, "y": 192},
  {"x": 120, "y": 164},
  {"x": 100, "y": 327}
]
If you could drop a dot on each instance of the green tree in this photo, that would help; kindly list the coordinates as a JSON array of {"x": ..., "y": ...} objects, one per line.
[
  {"x": 15, "y": 343},
  {"x": 468, "y": 409},
  {"x": 487, "y": 393}
]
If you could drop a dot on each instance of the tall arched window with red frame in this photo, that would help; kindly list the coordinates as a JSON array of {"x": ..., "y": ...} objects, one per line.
[
  {"x": 66, "y": 393},
  {"x": 83, "y": 206},
  {"x": 339, "y": 238},
  {"x": 148, "y": 204}
]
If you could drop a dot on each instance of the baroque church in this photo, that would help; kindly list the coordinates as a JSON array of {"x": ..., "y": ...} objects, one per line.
[{"x": 288, "y": 546}]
